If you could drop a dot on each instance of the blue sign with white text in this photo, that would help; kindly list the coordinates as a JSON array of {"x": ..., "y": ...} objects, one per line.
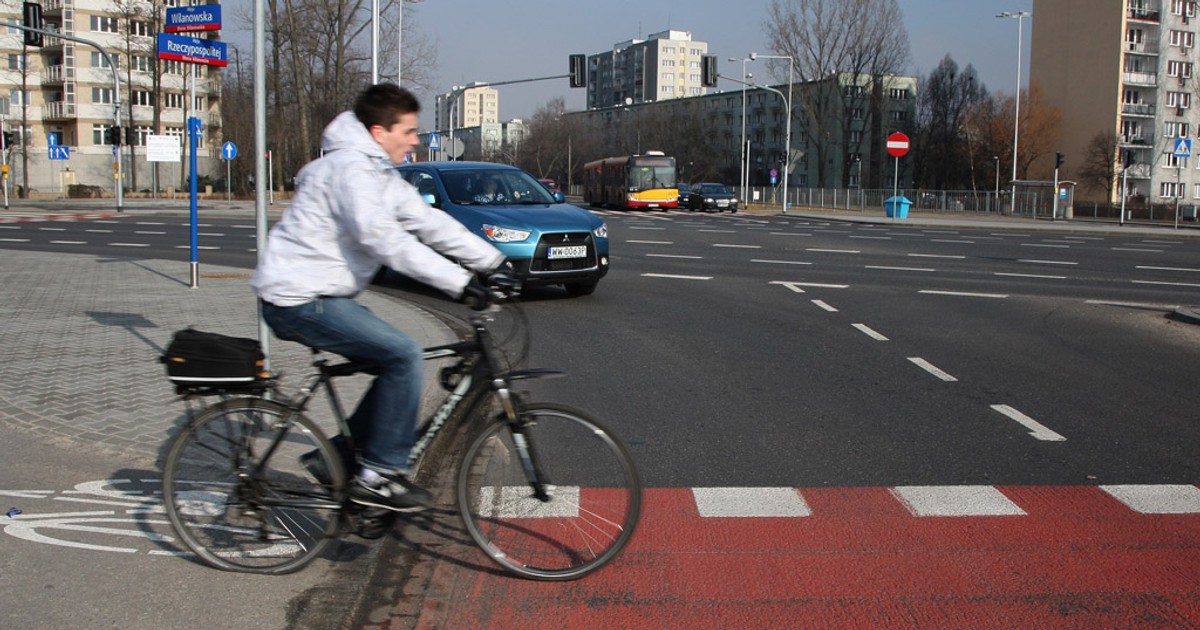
[
  {"x": 196, "y": 18},
  {"x": 208, "y": 52}
]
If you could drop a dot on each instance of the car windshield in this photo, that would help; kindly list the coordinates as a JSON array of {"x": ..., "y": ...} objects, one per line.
[
  {"x": 493, "y": 186},
  {"x": 714, "y": 189}
]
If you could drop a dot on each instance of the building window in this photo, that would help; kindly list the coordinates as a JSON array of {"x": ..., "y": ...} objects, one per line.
[
  {"x": 1179, "y": 99},
  {"x": 100, "y": 60},
  {"x": 1175, "y": 129},
  {"x": 853, "y": 90},
  {"x": 18, "y": 98},
  {"x": 17, "y": 61},
  {"x": 1183, "y": 39},
  {"x": 1181, "y": 69},
  {"x": 1169, "y": 190},
  {"x": 102, "y": 95},
  {"x": 98, "y": 134},
  {"x": 140, "y": 63},
  {"x": 142, "y": 97},
  {"x": 899, "y": 116},
  {"x": 898, "y": 94},
  {"x": 104, "y": 24},
  {"x": 173, "y": 101},
  {"x": 138, "y": 28}
]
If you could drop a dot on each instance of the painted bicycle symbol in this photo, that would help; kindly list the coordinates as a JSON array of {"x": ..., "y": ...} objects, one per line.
[{"x": 128, "y": 510}]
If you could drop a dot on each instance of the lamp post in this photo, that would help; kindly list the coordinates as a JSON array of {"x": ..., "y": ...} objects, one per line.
[
  {"x": 743, "y": 173},
  {"x": 996, "y": 158},
  {"x": 1020, "y": 16},
  {"x": 787, "y": 135},
  {"x": 789, "y": 113}
]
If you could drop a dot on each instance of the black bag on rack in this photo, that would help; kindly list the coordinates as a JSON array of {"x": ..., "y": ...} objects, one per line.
[{"x": 204, "y": 360}]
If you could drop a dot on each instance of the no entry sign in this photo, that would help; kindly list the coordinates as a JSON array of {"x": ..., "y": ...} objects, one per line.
[{"x": 897, "y": 144}]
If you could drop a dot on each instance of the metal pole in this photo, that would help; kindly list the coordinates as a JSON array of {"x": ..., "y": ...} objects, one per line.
[
  {"x": 997, "y": 193},
  {"x": 374, "y": 42},
  {"x": 1124, "y": 193},
  {"x": 400, "y": 43},
  {"x": 260, "y": 159},
  {"x": 1020, "y": 15}
]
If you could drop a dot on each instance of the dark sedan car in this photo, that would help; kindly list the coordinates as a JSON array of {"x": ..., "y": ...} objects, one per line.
[
  {"x": 545, "y": 240},
  {"x": 712, "y": 197}
]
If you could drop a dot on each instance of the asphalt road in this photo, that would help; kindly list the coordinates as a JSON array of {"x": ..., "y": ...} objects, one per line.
[{"x": 736, "y": 351}]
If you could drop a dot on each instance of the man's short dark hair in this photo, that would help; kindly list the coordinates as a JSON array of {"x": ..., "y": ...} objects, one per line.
[{"x": 383, "y": 104}]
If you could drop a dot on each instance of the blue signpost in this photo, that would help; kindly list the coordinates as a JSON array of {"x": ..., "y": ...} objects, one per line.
[{"x": 208, "y": 52}]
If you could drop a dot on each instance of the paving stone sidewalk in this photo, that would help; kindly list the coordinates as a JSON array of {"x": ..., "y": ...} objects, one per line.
[{"x": 83, "y": 336}]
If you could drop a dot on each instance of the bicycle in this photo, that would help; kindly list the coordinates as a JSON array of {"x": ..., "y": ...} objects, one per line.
[{"x": 252, "y": 484}]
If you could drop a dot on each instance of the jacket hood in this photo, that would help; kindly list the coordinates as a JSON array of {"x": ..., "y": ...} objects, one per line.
[{"x": 346, "y": 131}]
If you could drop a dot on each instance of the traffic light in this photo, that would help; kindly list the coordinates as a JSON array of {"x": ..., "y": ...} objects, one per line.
[
  {"x": 708, "y": 71},
  {"x": 131, "y": 136},
  {"x": 31, "y": 16},
  {"x": 1058, "y": 160},
  {"x": 578, "y": 71},
  {"x": 10, "y": 139},
  {"x": 112, "y": 136}
]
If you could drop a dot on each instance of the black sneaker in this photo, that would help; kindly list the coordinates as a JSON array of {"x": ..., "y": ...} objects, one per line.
[
  {"x": 394, "y": 493},
  {"x": 312, "y": 462}
]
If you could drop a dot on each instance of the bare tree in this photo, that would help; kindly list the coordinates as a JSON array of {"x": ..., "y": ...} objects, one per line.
[
  {"x": 1099, "y": 168},
  {"x": 950, "y": 147},
  {"x": 835, "y": 44}
]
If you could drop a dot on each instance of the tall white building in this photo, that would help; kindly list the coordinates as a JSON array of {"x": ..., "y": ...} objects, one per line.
[
  {"x": 468, "y": 106},
  {"x": 662, "y": 67},
  {"x": 1123, "y": 69},
  {"x": 64, "y": 93}
]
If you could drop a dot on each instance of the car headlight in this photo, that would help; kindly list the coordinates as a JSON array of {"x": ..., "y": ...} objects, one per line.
[
  {"x": 601, "y": 232},
  {"x": 500, "y": 234},
  {"x": 710, "y": 200}
]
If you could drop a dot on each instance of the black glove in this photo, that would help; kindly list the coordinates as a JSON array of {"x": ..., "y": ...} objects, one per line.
[{"x": 476, "y": 295}]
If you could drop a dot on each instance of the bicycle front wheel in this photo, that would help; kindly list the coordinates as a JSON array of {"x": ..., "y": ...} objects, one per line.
[
  {"x": 553, "y": 497},
  {"x": 252, "y": 486}
]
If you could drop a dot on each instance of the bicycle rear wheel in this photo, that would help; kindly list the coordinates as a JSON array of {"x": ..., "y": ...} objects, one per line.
[
  {"x": 592, "y": 500},
  {"x": 238, "y": 495}
]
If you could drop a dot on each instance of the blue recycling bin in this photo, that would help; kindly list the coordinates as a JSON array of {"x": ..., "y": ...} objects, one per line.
[{"x": 897, "y": 207}]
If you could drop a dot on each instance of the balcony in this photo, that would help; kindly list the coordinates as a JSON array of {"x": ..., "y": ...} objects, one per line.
[
  {"x": 58, "y": 110},
  {"x": 1141, "y": 78},
  {"x": 1136, "y": 141},
  {"x": 55, "y": 75},
  {"x": 1138, "y": 109},
  {"x": 1142, "y": 48},
  {"x": 1142, "y": 14}
]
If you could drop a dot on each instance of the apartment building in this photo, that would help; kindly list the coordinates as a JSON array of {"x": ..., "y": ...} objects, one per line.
[
  {"x": 1126, "y": 68},
  {"x": 64, "y": 93},
  {"x": 468, "y": 106},
  {"x": 662, "y": 67}
]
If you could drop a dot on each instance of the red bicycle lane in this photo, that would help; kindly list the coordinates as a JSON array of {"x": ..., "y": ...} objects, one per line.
[{"x": 1060, "y": 556}]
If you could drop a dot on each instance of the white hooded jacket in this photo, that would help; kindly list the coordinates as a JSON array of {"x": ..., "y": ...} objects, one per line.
[{"x": 353, "y": 212}]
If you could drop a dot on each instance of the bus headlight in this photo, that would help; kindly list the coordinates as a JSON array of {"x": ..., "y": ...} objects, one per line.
[{"x": 500, "y": 234}]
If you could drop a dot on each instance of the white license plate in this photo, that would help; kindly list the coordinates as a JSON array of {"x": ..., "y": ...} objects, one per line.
[
  {"x": 722, "y": 203},
  {"x": 570, "y": 251}
]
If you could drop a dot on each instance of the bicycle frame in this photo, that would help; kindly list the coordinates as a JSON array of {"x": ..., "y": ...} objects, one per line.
[{"x": 477, "y": 356}]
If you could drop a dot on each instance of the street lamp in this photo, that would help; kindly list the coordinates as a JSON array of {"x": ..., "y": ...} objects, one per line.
[
  {"x": 997, "y": 193},
  {"x": 744, "y": 174},
  {"x": 787, "y": 135},
  {"x": 1020, "y": 16}
]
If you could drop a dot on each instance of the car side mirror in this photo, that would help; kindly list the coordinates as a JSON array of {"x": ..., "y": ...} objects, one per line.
[
  {"x": 430, "y": 199},
  {"x": 559, "y": 197}
]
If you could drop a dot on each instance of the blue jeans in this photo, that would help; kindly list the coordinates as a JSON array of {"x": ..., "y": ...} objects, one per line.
[{"x": 384, "y": 424}]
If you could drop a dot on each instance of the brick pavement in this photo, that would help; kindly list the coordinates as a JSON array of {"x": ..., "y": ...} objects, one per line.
[{"x": 83, "y": 335}]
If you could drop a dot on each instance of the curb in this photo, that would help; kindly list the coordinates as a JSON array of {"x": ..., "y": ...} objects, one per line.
[{"x": 1188, "y": 314}]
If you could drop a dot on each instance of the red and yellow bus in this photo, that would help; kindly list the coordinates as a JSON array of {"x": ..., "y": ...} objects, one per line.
[{"x": 633, "y": 181}]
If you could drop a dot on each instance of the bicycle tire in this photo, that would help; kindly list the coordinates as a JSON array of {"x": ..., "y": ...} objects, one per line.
[
  {"x": 240, "y": 512},
  {"x": 594, "y": 486}
]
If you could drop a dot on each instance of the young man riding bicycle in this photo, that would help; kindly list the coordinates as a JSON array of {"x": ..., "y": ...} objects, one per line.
[{"x": 353, "y": 212}]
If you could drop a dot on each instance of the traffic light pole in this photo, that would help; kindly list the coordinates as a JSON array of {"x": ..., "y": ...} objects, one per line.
[{"x": 116, "y": 91}]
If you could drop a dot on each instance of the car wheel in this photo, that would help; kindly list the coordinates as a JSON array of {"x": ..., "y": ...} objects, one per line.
[{"x": 579, "y": 289}]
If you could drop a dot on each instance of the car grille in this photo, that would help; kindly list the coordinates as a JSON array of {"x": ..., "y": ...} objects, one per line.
[{"x": 542, "y": 263}]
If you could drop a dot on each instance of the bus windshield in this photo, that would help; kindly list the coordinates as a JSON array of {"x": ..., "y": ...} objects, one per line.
[{"x": 650, "y": 176}]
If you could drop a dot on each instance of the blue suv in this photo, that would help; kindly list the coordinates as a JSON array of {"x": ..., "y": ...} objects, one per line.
[{"x": 546, "y": 240}]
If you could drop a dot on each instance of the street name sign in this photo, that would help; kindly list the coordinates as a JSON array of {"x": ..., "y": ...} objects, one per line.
[
  {"x": 195, "y": 18},
  {"x": 207, "y": 52}
]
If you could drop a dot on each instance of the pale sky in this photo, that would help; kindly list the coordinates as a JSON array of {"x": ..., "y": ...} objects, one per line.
[
  {"x": 487, "y": 40},
  {"x": 532, "y": 38}
]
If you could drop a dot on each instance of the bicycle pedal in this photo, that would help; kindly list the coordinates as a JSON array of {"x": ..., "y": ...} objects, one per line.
[{"x": 375, "y": 522}]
